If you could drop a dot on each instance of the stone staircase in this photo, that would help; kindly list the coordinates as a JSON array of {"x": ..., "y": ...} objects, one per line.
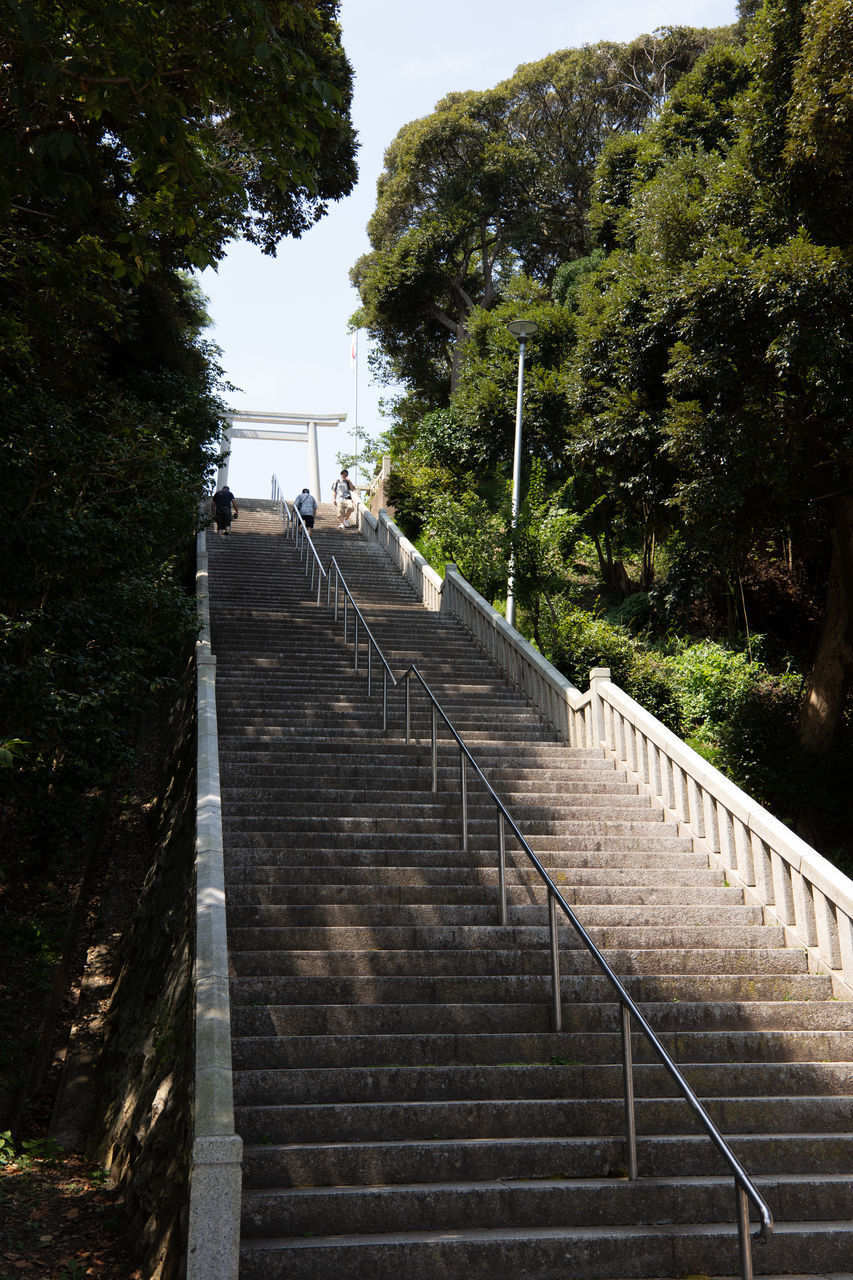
[{"x": 406, "y": 1109}]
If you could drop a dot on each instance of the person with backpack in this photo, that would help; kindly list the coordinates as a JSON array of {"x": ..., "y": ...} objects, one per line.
[
  {"x": 306, "y": 504},
  {"x": 342, "y": 491},
  {"x": 222, "y": 506}
]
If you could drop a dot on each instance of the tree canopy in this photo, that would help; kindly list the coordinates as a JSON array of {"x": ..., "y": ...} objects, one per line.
[
  {"x": 136, "y": 140},
  {"x": 726, "y": 305},
  {"x": 186, "y": 125},
  {"x": 690, "y": 271},
  {"x": 496, "y": 182}
]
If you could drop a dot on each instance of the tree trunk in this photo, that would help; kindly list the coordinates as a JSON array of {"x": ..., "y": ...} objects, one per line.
[{"x": 832, "y": 673}]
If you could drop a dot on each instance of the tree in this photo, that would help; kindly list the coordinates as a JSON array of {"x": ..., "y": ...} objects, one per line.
[
  {"x": 175, "y": 127},
  {"x": 737, "y": 265},
  {"x": 135, "y": 142},
  {"x": 493, "y": 183}
]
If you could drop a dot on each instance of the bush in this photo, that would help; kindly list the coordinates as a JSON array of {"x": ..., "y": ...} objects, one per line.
[
  {"x": 730, "y": 709},
  {"x": 710, "y": 681}
]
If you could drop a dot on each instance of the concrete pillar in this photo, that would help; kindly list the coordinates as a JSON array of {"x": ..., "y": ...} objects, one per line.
[
  {"x": 314, "y": 462},
  {"x": 224, "y": 447}
]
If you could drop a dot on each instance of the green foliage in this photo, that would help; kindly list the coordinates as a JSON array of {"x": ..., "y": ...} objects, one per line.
[
  {"x": 10, "y": 751},
  {"x": 484, "y": 405},
  {"x": 710, "y": 681},
  {"x": 31, "y": 1149},
  {"x": 693, "y": 370},
  {"x": 468, "y": 532},
  {"x": 496, "y": 182},
  {"x": 198, "y": 127},
  {"x": 134, "y": 143},
  {"x": 819, "y": 145},
  {"x": 730, "y": 709}
]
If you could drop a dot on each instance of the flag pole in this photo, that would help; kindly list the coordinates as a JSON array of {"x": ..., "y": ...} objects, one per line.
[{"x": 355, "y": 400}]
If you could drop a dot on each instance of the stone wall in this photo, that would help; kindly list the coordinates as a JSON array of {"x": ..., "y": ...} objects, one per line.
[{"x": 143, "y": 1126}]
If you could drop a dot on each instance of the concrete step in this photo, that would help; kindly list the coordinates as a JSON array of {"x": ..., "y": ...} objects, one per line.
[
  {"x": 568, "y": 861},
  {"x": 314, "y": 891},
  {"x": 278, "y": 1048},
  {"x": 256, "y": 1013},
  {"x": 254, "y": 947},
  {"x": 423, "y": 841},
  {"x": 581, "y": 879},
  {"x": 527, "y": 1202},
  {"x": 687, "y": 991},
  {"x": 487, "y": 1159},
  {"x": 582, "y": 1252},
  {"x": 440, "y": 914},
  {"x": 554, "y": 1118},
  {"x": 527, "y": 1080}
]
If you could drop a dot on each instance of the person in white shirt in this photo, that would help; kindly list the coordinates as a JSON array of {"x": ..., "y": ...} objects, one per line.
[{"x": 342, "y": 491}]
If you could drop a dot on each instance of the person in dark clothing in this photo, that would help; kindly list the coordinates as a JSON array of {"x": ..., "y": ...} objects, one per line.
[{"x": 222, "y": 506}]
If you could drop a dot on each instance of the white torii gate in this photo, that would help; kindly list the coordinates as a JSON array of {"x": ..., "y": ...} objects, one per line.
[{"x": 268, "y": 426}]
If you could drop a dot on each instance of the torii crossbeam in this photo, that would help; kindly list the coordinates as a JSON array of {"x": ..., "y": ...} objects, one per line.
[{"x": 269, "y": 426}]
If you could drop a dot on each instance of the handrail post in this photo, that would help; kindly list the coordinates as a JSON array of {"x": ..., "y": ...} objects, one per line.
[
  {"x": 556, "y": 1002},
  {"x": 463, "y": 787},
  {"x": 346, "y": 617},
  {"x": 384, "y": 700},
  {"x": 502, "y": 868},
  {"x": 628, "y": 1082},
  {"x": 369, "y": 668},
  {"x": 408, "y": 712},
  {"x": 434, "y": 745},
  {"x": 355, "y": 640},
  {"x": 743, "y": 1232}
]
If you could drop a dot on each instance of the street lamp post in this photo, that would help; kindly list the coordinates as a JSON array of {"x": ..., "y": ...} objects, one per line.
[{"x": 522, "y": 330}]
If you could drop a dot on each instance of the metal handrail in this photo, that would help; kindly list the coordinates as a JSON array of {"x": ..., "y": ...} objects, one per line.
[
  {"x": 296, "y": 529},
  {"x": 372, "y": 644},
  {"x": 744, "y": 1187}
]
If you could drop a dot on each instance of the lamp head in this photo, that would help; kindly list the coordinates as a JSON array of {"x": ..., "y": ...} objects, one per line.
[{"x": 522, "y": 329}]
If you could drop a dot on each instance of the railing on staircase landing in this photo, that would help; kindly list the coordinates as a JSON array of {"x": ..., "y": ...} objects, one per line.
[{"x": 295, "y": 529}]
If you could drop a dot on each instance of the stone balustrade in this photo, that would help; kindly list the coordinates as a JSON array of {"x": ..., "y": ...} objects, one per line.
[
  {"x": 797, "y": 887},
  {"x": 215, "y": 1177}
]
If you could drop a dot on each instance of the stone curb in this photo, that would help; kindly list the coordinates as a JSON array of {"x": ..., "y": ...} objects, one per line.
[{"x": 213, "y": 1243}]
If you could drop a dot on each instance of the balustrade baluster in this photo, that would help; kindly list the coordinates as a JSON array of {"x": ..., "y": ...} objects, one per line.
[
  {"x": 803, "y": 908},
  {"x": 679, "y": 786},
  {"x": 712, "y": 832},
  {"x": 763, "y": 869},
  {"x": 743, "y": 850},
  {"x": 695, "y": 808},
  {"x": 827, "y": 928},
  {"x": 783, "y": 888}
]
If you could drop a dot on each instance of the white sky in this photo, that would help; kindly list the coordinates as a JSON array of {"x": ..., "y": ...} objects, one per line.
[{"x": 282, "y": 322}]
